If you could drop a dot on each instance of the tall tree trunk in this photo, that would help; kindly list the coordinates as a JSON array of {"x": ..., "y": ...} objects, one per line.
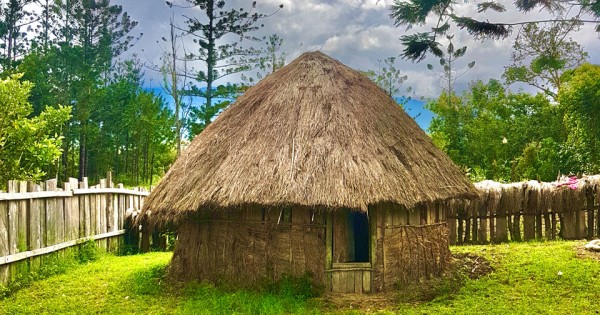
[{"x": 211, "y": 59}]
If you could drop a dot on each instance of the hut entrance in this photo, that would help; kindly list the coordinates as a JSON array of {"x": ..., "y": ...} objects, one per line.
[
  {"x": 351, "y": 266},
  {"x": 360, "y": 236},
  {"x": 350, "y": 237}
]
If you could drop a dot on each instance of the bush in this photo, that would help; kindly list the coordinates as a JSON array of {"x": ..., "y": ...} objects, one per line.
[{"x": 88, "y": 251}]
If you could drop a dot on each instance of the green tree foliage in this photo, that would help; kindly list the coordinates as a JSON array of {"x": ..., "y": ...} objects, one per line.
[
  {"x": 15, "y": 18},
  {"x": 580, "y": 99},
  {"x": 212, "y": 28},
  {"x": 412, "y": 13},
  {"x": 132, "y": 133},
  {"x": 497, "y": 134},
  {"x": 91, "y": 33},
  {"x": 270, "y": 60},
  {"x": 449, "y": 74},
  {"x": 388, "y": 77},
  {"x": 116, "y": 125},
  {"x": 542, "y": 54},
  {"x": 29, "y": 147}
]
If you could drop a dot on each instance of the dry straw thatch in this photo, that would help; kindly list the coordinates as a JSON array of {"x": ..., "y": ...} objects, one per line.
[{"x": 315, "y": 133}]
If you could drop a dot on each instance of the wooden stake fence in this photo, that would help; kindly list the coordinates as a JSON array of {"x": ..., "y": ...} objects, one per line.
[
  {"x": 527, "y": 211},
  {"x": 37, "y": 220}
]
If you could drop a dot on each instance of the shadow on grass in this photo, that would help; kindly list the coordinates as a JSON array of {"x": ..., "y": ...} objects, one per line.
[{"x": 288, "y": 295}]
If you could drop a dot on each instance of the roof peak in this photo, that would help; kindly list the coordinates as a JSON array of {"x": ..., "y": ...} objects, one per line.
[{"x": 314, "y": 133}]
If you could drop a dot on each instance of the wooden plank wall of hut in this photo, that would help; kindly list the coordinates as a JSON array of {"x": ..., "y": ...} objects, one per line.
[
  {"x": 411, "y": 245},
  {"x": 247, "y": 246},
  {"x": 42, "y": 220},
  {"x": 527, "y": 211}
]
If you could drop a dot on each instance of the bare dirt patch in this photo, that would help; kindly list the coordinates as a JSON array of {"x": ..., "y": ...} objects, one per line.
[{"x": 581, "y": 252}]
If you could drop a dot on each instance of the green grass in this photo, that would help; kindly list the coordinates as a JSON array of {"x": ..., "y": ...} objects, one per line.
[
  {"x": 135, "y": 285},
  {"x": 525, "y": 281}
]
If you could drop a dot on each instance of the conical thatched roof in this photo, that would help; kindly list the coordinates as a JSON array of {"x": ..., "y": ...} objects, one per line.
[{"x": 315, "y": 133}]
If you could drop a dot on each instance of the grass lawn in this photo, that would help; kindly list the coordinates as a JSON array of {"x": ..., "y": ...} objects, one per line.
[{"x": 528, "y": 278}]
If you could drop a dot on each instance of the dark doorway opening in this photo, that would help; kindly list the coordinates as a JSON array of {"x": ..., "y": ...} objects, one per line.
[{"x": 360, "y": 228}]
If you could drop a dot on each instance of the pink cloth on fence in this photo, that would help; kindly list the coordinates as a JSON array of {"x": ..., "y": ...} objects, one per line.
[{"x": 571, "y": 182}]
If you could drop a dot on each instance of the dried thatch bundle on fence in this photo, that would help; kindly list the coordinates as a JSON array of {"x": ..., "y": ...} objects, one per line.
[
  {"x": 314, "y": 169},
  {"x": 567, "y": 208}
]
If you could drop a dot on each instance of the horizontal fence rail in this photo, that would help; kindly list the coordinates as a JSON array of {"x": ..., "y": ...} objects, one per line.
[
  {"x": 40, "y": 219},
  {"x": 527, "y": 211}
]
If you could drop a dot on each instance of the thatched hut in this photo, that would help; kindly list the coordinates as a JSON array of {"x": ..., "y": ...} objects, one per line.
[{"x": 315, "y": 169}]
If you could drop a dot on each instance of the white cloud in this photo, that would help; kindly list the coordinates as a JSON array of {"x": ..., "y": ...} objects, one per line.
[{"x": 357, "y": 32}]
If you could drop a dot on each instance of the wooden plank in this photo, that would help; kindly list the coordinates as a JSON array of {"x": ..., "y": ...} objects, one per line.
[
  {"x": 93, "y": 214},
  {"x": 75, "y": 212},
  {"x": 4, "y": 245},
  {"x": 122, "y": 210},
  {"x": 80, "y": 207},
  {"x": 372, "y": 217},
  {"x": 517, "y": 227},
  {"x": 59, "y": 219},
  {"x": 87, "y": 213},
  {"x": 528, "y": 225},
  {"x": 122, "y": 191},
  {"x": 36, "y": 206},
  {"x": 352, "y": 265},
  {"x": 424, "y": 210},
  {"x": 335, "y": 281},
  {"x": 475, "y": 232},
  {"x": 339, "y": 222},
  {"x": 589, "y": 205},
  {"x": 349, "y": 275},
  {"x": 581, "y": 223},
  {"x": 460, "y": 230},
  {"x": 102, "y": 214},
  {"x": 68, "y": 215},
  {"x": 538, "y": 224},
  {"x": 414, "y": 217},
  {"x": 403, "y": 214},
  {"x": 30, "y": 195},
  {"x": 482, "y": 236},
  {"x": 116, "y": 212},
  {"x": 366, "y": 281},
  {"x": 467, "y": 237},
  {"x": 598, "y": 213},
  {"x": 568, "y": 224},
  {"x": 547, "y": 225},
  {"x": 451, "y": 223},
  {"x": 395, "y": 218},
  {"x": 50, "y": 249},
  {"x": 23, "y": 229},
  {"x": 358, "y": 284},
  {"x": 329, "y": 247},
  {"x": 492, "y": 221},
  {"x": 13, "y": 227},
  {"x": 501, "y": 232},
  {"x": 554, "y": 228},
  {"x": 50, "y": 238},
  {"x": 388, "y": 219}
]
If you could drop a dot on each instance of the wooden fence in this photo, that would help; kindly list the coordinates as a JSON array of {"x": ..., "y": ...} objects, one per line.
[
  {"x": 527, "y": 211},
  {"x": 40, "y": 219}
]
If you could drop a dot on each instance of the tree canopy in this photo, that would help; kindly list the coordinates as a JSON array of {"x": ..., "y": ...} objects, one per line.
[
  {"x": 445, "y": 13},
  {"x": 29, "y": 147}
]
